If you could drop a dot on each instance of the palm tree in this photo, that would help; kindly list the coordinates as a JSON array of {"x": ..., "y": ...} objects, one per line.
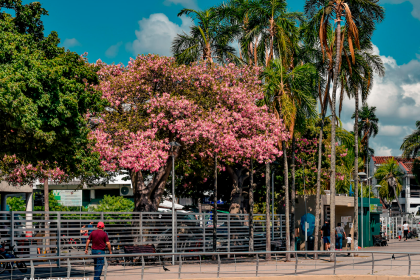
[
  {"x": 389, "y": 177},
  {"x": 289, "y": 92},
  {"x": 411, "y": 144},
  {"x": 368, "y": 127},
  {"x": 360, "y": 15},
  {"x": 208, "y": 40}
]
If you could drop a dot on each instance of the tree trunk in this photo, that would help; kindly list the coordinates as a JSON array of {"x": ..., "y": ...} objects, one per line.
[
  {"x": 293, "y": 194},
  {"x": 47, "y": 214},
  {"x": 356, "y": 171},
  {"x": 267, "y": 211},
  {"x": 286, "y": 199},
  {"x": 147, "y": 197},
  {"x": 318, "y": 190},
  {"x": 333, "y": 140},
  {"x": 319, "y": 171},
  {"x": 215, "y": 206},
  {"x": 251, "y": 209},
  {"x": 238, "y": 177}
]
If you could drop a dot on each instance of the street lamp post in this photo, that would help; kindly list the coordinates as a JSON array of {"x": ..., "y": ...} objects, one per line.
[
  {"x": 361, "y": 174},
  {"x": 173, "y": 144},
  {"x": 272, "y": 205}
]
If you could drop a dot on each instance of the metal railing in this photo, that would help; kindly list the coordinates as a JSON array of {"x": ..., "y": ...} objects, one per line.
[
  {"x": 62, "y": 234},
  {"x": 391, "y": 225},
  {"x": 214, "y": 264}
]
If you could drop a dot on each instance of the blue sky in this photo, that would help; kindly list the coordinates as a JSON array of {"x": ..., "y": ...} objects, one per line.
[{"x": 115, "y": 31}]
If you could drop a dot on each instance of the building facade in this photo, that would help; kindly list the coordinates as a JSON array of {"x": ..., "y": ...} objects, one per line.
[{"x": 409, "y": 197}]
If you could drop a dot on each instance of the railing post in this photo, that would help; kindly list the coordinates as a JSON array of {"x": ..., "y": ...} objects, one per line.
[
  {"x": 409, "y": 265},
  {"x": 204, "y": 232},
  {"x": 68, "y": 268},
  {"x": 12, "y": 229},
  {"x": 373, "y": 263},
  {"x": 102, "y": 216},
  {"x": 32, "y": 270},
  {"x": 234, "y": 256},
  {"x": 200, "y": 262},
  {"x": 142, "y": 267},
  {"x": 335, "y": 260},
  {"x": 218, "y": 265},
  {"x": 106, "y": 268},
  {"x": 281, "y": 227},
  {"x": 141, "y": 229},
  {"x": 179, "y": 267},
  {"x": 58, "y": 237},
  {"x": 296, "y": 263},
  {"x": 228, "y": 248},
  {"x": 256, "y": 267}
]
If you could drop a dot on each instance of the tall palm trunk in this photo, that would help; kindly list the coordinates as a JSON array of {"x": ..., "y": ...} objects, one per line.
[
  {"x": 333, "y": 140},
  {"x": 356, "y": 171},
  {"x": 319, "y": 171},
  {"x": 318, "y": 189},
  {"x": 286, "y": 198},
  {"x": 293, "y": 194},
  {"x": 251, "y": 210},
  {"x": 267, "y": 211}
]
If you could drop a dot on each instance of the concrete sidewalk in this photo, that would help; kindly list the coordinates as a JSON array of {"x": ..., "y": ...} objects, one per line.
[{"x": 347, "y": 267}]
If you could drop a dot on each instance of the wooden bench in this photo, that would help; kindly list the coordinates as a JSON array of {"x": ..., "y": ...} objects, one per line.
[
  {"x": 141, "y": 249},
  {"x": 378, "y": 240}
]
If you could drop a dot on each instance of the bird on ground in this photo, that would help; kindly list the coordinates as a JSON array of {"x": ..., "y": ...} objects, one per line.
[
  {"x": 164, "y": 268},
  {"x": 393, "y": 257}
]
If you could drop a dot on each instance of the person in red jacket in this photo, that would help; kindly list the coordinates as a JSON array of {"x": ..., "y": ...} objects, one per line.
[{"x": 100, "y": 241}]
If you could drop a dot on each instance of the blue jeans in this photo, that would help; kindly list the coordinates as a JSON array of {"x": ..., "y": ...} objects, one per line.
[
  {"x": 339, "y": 241},
  {"x": 99, "y": 263}
]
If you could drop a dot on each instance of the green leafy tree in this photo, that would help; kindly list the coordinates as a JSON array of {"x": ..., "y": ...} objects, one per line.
[
  {"x": 411, "y": 144},
  {"x": 208, "y": 40},
  {"x": 45, "y": 94},
  {"x": 389, "y": 177},
  {"x": 114, "y": 204},
  {"x": 16, "y": 203}
]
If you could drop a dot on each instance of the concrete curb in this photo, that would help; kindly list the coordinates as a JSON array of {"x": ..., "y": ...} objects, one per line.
[{"x": 318, "y": 277}]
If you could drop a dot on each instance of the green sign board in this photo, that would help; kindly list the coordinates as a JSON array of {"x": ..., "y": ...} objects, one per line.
[
  {"x": 375, "y": 208},
  {"x": 69, "y": 197}
]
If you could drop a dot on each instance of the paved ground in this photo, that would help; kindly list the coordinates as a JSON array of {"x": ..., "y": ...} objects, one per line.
[{"x": 384, "y": 265}]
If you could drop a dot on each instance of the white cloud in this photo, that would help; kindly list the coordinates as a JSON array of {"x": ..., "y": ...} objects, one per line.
[
  {"x": 416, "y": 6},
  {"x": 156, "y": 34},
  {"x": 189, "y": 4},
  {"x": 68, "y": 43},
  {"x": 112, "y": 51},
  {"x": 396, "y": 97}
]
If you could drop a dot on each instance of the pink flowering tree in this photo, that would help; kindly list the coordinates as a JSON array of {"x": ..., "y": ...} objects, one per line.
[{"x": 208, "y": 109}]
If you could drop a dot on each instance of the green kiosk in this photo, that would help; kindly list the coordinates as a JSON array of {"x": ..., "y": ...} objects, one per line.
[{"x": 371, "y": 220}]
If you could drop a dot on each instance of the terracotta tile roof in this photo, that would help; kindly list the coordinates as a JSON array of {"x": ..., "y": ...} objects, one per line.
[
  {"x": 408, "y": 166},
  {"x": 381, "y": 160},
  {"x": 406, "y": 163}
]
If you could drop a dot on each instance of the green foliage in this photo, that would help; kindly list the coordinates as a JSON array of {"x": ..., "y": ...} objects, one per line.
[
  {"x": 16, "y": 203},
  {"x": 44, "y": 95},
  {"x": 114, "y": 204},
  {"x": 383, "y": 173},
  {"x": 54, "y": 205},
  {"x": 411, "y": 144}
]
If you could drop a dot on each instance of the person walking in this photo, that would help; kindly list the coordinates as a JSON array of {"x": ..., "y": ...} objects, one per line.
[
  {"x": 340, "y": 234},
  {"x": 100, "y": 241},
  {"x": 325, "y": 235},
  {"x": 406, "y": 230}
]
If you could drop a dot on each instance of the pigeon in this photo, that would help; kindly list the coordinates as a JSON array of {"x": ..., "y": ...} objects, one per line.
[
  {"x": 393, "y": 257},
  {"x": 164, "y": 268}
]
